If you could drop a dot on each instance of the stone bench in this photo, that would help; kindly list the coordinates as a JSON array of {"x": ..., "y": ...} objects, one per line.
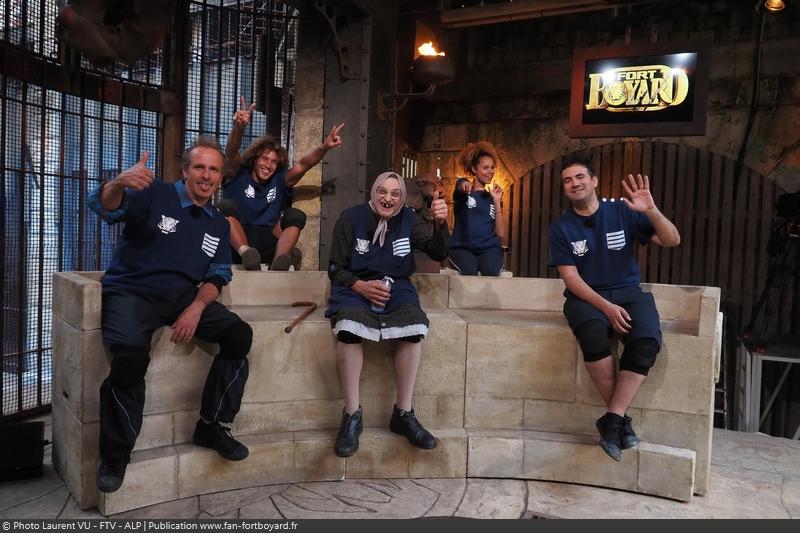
[{"x": 501, "y": 384}]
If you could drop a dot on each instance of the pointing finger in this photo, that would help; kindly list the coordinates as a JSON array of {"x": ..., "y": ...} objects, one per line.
[{"x": 252, "y": 106}]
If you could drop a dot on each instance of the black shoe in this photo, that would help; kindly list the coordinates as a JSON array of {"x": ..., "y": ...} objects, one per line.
[
  {"x": 297, "y": 258},
  {"x": 251, "y": 259},
  {"x": 610, "y": 427},
  {"x": 629, "y": 438},
  {"x": 406, "y": 424},
  {"x": 110, "y": 476},
  {"x": 347, "y": 438},
  {"x": 282, "y": 262},
  {"x": 218, "y": 438}
]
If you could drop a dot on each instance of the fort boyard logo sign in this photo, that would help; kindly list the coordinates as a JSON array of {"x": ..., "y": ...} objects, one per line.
[
  {"x": 633, "y": 89},
  {"x": 639, "y": 90}
]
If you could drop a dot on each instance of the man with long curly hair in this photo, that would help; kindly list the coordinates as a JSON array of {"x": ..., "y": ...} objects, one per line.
[{"x": 257, "y": 185}]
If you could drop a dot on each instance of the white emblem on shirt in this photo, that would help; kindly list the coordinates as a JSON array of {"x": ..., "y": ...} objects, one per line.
[
  {"x": 401, "y": 247},
  {"x": 471, "y": 202},
  {"x": 362, "y": 246},
  {"x": 167, "y": 225},
  {"x": 250, "y": 192},
  {"x": 271, "y": 194},
  {"x": 579, "y": 248},
  {"x": 615, "y": 240},
  {"x": 210, "y": 244},
  {"x": 491, "y": 211}
]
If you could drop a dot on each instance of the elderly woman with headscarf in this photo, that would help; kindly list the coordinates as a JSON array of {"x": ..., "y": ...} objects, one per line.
[{"x": 372, "y": 298}]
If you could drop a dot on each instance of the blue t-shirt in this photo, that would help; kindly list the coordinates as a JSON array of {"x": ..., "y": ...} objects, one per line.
[
  {"x": 257, "y": 204},
  {"x": 601, "y": 246},
  {"x": 167, "y": 242},
  {"x": 475, "y": 220}
]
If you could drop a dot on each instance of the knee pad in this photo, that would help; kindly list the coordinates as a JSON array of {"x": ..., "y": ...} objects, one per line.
[
  {"x": 236, "y": 341},
  {"x": 595, "y": 340},
  {"x": 348, "y": 338},
  {"x": 128, "y": 365},
  {"x": 293, "y": 217},
  {"x": 228, "y": 208},
  {"x": 639, "y": 355}
]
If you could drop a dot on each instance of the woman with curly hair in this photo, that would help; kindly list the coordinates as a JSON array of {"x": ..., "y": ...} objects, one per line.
[{"x": 479, "y": 225}]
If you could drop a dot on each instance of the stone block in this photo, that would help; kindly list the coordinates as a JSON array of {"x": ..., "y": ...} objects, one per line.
[
  {"x": 666, "y": 472},
  {"x": 314, "y": 458},
  {"x": 496, "y": 456},
  {"x": 681, "y": 379},
  {"x": 157, "y": 432},
  {"x": 296, "y": 366},
  {"x": 383, "y": 454},
  {"x": 493, "y": 412},
  {"x": 168, "y": 360},
  {"x": 520, "y": 362},
  {"x": 566, "y": 417},
  {"x": 433, "y": 290},
  {"x": 309, "y": 245},
  {"x": 201, "y": 470},
  {"x": 447, "y": 460},
  {"x": 681, "y": 430},
  {"x": 308, "y": 130},
  {"x": 258, "y": 288},
  {"x": 77, "y": 299},
  {"x": 79, "y": 366},
  {"x": 472, "y": 292},
  {"x": 183, "y": 423},
  {"x": 75, "y": 453},
  {"x": 151, "y": 477},
  {"x": 576, "y": 459},
  {"x": 280, "y": 417},
  {"x": 709, "y": 311},
  {"x": 678, "y": 303},
  {"x": 455, "y": 136}
]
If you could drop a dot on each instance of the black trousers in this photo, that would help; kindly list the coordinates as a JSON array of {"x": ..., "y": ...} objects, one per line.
[{"x": 129, "y": 319}]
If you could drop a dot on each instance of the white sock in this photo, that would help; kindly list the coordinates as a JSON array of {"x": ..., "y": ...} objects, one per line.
[{"x": 242, "y": 249}]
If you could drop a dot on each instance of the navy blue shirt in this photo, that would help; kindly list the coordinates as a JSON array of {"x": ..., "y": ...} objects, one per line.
[
  {"x": 475, "y": 215},
  {"x": 166, "y": 243},
  {"x": 601, "y": 246},
  {"x": 257, "y": 204}
]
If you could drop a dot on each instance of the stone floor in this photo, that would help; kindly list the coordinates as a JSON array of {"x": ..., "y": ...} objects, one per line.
[{"x": 752, "y": 476}]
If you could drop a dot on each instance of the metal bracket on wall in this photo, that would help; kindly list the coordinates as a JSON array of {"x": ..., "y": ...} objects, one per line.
[{"x": 348, "y": 48}]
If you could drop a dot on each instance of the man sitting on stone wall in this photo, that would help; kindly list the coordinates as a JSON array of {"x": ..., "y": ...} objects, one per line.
[
  {"x": 592, "y": 244},
  {"x": 257, "y": 193},
  {"x": 171, "y": 263}
]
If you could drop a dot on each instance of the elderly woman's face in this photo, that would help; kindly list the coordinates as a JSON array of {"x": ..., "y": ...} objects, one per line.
[{"x": 387, "y": 197}]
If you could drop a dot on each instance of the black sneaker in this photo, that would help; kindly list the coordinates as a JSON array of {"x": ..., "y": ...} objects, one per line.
[
  {"x": 110, "y": 476},
  {"x": 251, "y": 259},
  {"x": 218, "y": 437},
  {"x": 629, "y": 438},
  {"x": 282, "y": 262},
  {"x": 297, "y": 258},
  {"x": 610, "y": 427},
  {"x": 405, "y": 423},
  {"x": 347, "y": 438}
]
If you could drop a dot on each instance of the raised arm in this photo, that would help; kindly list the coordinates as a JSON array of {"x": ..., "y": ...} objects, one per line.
[
  {"x": 640, "y": 200},
  {"x": 313, "y": 157},
  {"x": 233, "y": 159},
  {"x": 138, "y": 177},
  {"x": 499, "y": 221}
]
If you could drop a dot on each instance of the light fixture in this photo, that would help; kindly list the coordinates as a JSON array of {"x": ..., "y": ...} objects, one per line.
[
  {"x": 430, "y": 68},
  {"x": 773, "y": 6}
]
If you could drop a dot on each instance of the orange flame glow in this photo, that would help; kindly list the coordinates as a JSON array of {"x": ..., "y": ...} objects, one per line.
[{"x": 427, "y": 49}]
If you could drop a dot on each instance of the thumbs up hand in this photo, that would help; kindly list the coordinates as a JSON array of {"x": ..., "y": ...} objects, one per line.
[
  {"x": 439, "y": 207},
  {"x": 138, "y": 177}
]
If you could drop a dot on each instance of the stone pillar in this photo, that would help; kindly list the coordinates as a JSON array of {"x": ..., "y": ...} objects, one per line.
[{"x": 308, "y": 128}]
